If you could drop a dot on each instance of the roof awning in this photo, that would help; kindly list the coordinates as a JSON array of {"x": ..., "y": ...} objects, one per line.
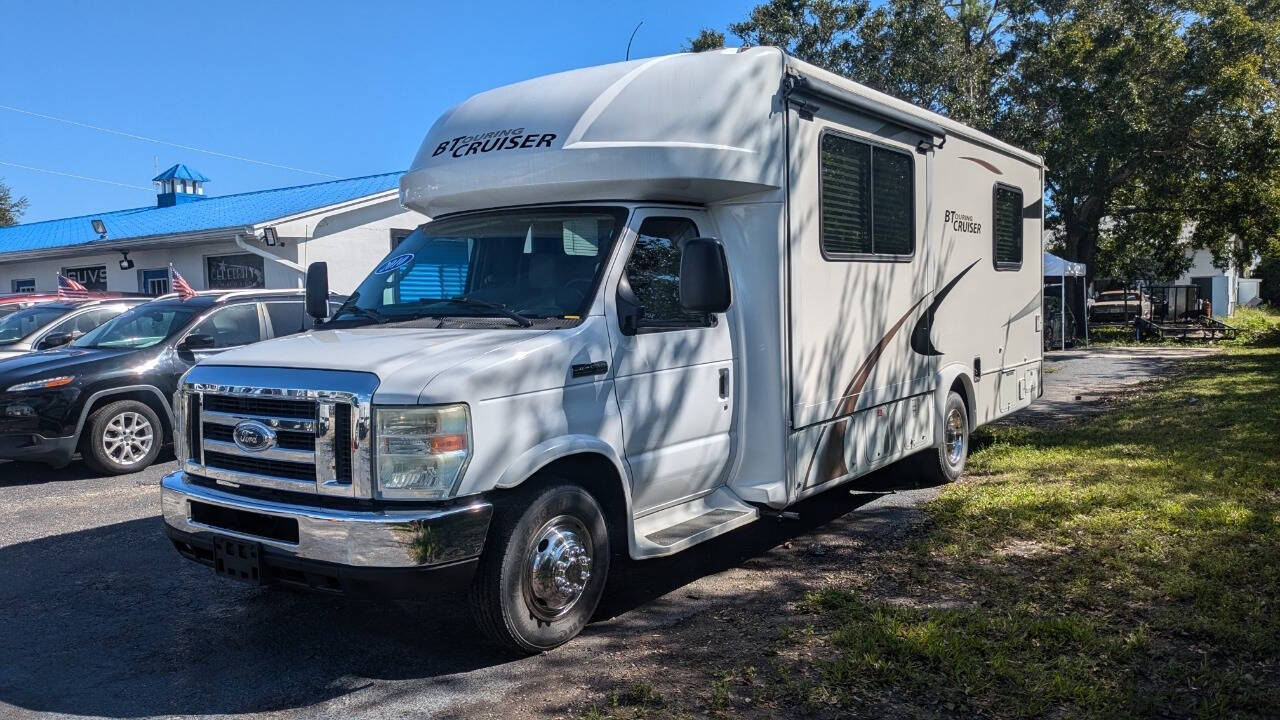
[{"x": 1057, "y": 267}]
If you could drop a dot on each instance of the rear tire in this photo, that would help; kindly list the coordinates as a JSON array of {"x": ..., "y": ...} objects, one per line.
[
  {"x": 543, "y": 569},
  {"x": 945, "y": 463},
  {"x": 121, "y": 437}
]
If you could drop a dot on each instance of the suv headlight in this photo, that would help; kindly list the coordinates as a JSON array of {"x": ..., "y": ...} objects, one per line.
[{"x": 421, "y": 452}]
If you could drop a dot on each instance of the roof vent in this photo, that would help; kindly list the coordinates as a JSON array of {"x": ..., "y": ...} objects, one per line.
[{"x": 179, "y": 184}]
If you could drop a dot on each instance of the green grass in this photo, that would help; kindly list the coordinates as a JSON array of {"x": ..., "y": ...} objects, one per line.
[
  {"x": 1128, "y": 565},
  {"x": 1258, "y": 327}
]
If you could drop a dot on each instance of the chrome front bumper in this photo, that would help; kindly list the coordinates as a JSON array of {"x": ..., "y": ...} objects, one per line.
[{"x": 382, "y": 538}]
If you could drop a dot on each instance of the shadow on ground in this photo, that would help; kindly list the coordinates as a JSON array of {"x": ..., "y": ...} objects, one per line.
[{"x": 110, "y": 621}]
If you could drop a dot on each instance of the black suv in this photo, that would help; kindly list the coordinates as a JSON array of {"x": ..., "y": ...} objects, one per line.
[{"x": 107, "y": 394}]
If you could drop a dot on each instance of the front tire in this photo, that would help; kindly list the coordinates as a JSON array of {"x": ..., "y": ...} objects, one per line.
[
  {"x": 543, "y": 569},
  {"x": 121, "y": 437}
]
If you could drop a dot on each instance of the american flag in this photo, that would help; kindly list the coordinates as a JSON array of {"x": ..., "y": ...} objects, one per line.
[
  {"x": 70, "y": 289},
  {"x": 179, "y": 284}
]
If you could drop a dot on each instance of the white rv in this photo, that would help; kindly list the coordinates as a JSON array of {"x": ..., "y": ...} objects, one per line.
[{"x": 657, "y": 299}]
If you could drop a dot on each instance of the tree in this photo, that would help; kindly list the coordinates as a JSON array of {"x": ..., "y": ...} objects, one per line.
[
  {"x": 707, "y": 39},
  {"x": 11, "y": 208},
  {"x": 1150, "y": 115}
]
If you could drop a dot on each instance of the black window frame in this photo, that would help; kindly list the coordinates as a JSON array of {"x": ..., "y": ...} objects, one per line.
[
  {"x": 1006, "y": 266},
  {"x": 649, "y": 325},
  {"x": 872, "y": 256}
]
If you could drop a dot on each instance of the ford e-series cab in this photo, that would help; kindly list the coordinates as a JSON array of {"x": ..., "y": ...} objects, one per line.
[{"x": 657, "y": 300}]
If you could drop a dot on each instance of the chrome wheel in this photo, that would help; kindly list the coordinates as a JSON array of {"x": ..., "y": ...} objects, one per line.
[
  {"x": 559, "y": 567},
  {"x": 128, "y": 437},
  {"x": 955, "y": 437}
]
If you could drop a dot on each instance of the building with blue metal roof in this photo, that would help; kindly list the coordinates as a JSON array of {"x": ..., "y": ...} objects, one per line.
[{"x": 214, "y": 241}]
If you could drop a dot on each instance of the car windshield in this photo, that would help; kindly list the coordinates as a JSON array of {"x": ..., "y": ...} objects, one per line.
[
  {"x": 1118, "y": 297},
  {"x": 143, "y": 326},
  {"x": 15, "y": 326},
  {"x": 518, "y": 265}
]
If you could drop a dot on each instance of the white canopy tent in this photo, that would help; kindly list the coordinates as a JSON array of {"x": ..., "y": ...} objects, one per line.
[{"x": 1057, "y": 267}]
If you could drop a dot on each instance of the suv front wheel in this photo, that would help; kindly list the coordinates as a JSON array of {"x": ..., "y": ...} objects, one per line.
[{"x": 121, "y": 437}]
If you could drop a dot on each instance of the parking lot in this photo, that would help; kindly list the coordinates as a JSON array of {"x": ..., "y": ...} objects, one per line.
[{"x": 101, "y": 616}]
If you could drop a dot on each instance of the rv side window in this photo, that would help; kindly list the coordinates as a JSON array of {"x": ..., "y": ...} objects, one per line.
[
  {"x": 1007, "y": 228},
  {"x": 654, "y": 272},
  {"x": 867, "y": 201}
]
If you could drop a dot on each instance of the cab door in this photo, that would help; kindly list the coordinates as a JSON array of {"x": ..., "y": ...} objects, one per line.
[{"x": 673, "y": 373}]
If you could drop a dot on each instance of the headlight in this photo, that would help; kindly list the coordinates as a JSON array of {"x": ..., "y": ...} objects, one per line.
[
  {"x": 421, "y": 451},
  {"x": 43, "y": 384}
]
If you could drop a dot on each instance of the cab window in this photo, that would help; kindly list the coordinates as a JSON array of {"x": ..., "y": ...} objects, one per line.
[
  {"x": 232, "y": 326},
  {"x": 653, "y": 271},
  {"x": 287, "y": 318}
]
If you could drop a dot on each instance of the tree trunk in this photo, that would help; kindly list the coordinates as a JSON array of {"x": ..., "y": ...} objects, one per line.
[{"x": 1082, "y": 247}]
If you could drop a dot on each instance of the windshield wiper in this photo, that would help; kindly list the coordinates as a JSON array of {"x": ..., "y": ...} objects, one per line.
[
  {"x": 464, "y": 300},
  {"x": 370, "y": 313}
]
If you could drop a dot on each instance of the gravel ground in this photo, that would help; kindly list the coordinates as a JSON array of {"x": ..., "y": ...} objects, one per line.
[{"x": 102, "y": 618}]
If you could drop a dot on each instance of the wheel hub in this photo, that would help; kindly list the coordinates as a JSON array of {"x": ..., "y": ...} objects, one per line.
[
  {"x": 559, "y": 567},
  {"x": 955, "y": 437},
  {"x": 127, "y": 438}
]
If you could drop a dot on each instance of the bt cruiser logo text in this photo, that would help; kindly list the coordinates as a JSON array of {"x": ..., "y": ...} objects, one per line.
[{"x": 486, "y": 142}]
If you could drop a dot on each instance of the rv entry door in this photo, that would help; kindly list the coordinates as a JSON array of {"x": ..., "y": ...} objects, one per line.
[{"x": 673, "y": 371}]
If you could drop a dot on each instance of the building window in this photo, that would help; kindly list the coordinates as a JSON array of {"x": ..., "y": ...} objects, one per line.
[
  {"x": 867, "y": 200},
  {"x": 25, "y": 285},
  {"x": 153, "y": 282},
  {"x": 398, "y": 235},
  {"x": 653, "y": 271},
  {"x": 1007, "y": 228},
  {"x": 93, "y": 277},
  {"x": 235, "y": 272}
]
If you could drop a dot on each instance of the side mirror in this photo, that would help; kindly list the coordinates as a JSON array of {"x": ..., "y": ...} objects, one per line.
[
  {"x": 704, "y": 276},
  {"x": 197, "y": 341},
  {"x": 318, "y": 290},
  {"x": 630, "y": 311},
  {"x": 53, "y": 340}
]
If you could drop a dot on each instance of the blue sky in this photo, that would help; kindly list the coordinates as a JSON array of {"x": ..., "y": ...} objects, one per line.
[{"x": 340, "y": 88}]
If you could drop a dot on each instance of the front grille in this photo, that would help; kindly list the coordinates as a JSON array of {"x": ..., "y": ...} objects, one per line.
[
  {"x": 260, "y": 466},
  {"x": 265, "y": 406},
  {"x": 193, "y": 426},
  {"x": 287, "y": 439},
  {"x": 342, "y": 443}
]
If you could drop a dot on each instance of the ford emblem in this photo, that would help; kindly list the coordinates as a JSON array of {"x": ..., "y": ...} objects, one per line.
[{"x": 252, "y": 436}]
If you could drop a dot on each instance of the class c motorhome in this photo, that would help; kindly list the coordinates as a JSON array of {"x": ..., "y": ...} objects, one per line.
[{"x": 657, "y": 299}]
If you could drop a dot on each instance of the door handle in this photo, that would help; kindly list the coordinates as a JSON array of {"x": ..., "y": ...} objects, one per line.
[
  {"x": 724, "y": 383},
  {"x": 600, "y": 367}
]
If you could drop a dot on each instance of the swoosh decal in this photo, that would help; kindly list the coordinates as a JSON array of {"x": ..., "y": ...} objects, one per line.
[
  {"x": 920, "y": 340},
  {"x": 1032, "y": 305},
  {"x": 983, "y": 163},
  {"x": 829, "y": 452}
]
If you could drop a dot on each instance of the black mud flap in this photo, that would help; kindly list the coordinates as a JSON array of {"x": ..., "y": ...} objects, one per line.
[{"x": 238, "y": 560}]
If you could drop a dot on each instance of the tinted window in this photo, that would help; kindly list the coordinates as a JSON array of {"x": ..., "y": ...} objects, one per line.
[
  {"x": 85, "y": 322},
  {"x": 867, "y": 199},
  {"x": 654, "y": 270},
  {"x": 1007, "y": 228},
  {"x": 287, "y": 318},
  {"x": 15, "y": 326},
  {"x": 142, "y": 326},
  {"x": 232, "y": 326}
]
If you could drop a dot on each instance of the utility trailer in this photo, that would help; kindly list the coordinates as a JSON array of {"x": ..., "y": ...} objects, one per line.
[{"x": 1176, "y": 312}]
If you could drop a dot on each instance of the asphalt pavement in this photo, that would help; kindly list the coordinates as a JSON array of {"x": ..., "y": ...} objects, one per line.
[{"x": 101, "y": 617}]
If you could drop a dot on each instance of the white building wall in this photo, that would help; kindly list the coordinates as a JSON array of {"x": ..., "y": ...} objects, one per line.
[
  {"x": 352, "y": 242},
  {"x": 1224, "y": 281}
]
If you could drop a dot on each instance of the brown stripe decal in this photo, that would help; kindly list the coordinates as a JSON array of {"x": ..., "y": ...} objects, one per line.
[
  {"x": 983, "y": 163},
  {"x": 829, "y": 452}
]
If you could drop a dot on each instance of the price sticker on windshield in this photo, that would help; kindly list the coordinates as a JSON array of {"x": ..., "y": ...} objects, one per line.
[{"x": 393, "y": 263}]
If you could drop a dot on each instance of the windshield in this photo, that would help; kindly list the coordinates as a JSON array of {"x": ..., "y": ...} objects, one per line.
[
  {"x": 15, "y": 326},
  {"x": 518, "y": 265},
  {"x": 1114, "y": 296},
  {"x": 143, "y": 326}
]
